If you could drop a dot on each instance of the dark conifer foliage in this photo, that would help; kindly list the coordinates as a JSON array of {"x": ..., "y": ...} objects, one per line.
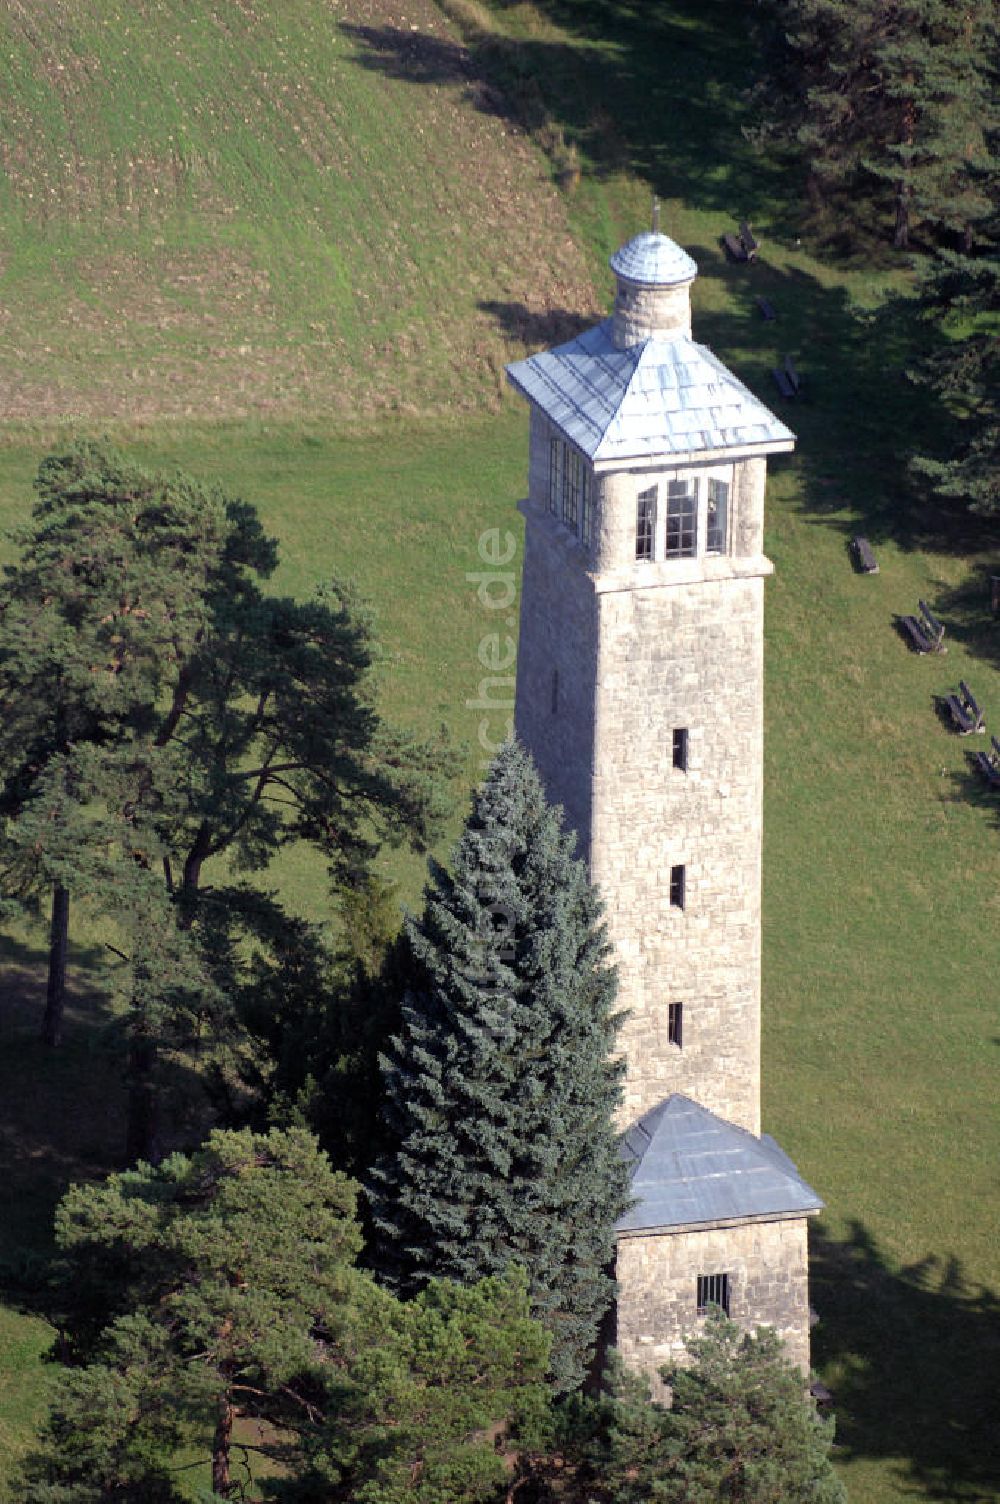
[
  {"x": 220, "y": 1288},
  {"x": 501, "y": 1089},
  {"x": 961, "y": 294},
  {"x": 892, "y": 106},
  {"x": 158, "y": 711},
  {"x": 740, "y": 1427}
]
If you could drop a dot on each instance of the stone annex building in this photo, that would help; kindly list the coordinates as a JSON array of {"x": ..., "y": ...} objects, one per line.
[{"x": 640, "y": 697}]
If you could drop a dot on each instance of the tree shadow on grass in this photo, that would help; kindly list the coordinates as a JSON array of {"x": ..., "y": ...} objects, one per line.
[
  {"x": 62, "y": 1111},
  {"x": 534, "y": 328},
  {"x": 968, "y": 609},
  {"x": 911, "y": 1356}
]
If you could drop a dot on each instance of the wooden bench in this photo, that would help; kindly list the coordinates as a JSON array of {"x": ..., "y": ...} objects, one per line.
[
  {"x": 925, "y": 632},
  {"x": 921, "y": 643},
  {"x": 787, "y": 379},
  {"x": 748, "y": 241},
  {"x": 971, "y": 706},
  {"x": 960, "y": 716},
  {"x": 743, "y": 246},
  {"x": 867, "y": 562},
  {"x": 989, "y": 765},
  {"x": 766, "y": 310},
  {"x": 964, "y": 711},
  {"x": 933, "y": 628},
  {"x": 735, "y": 249}
]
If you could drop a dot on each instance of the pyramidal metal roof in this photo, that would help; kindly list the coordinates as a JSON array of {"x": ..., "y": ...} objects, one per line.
[
  {"x": 653, "y": 260},
  {"x": 669, "y": 397},
  {"x": 691, "y": 1167}
]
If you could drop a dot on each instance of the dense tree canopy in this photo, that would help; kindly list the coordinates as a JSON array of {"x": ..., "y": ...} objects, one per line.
[
  {"x": 221, "y": 1287},
  {"x": 892, "y": 105},
  {"x": 961, "y": 293},
  {"x": 501, "y": 1090},
  {"x": 740, "y": 1428},
  {"x": 161, "y": 711}
]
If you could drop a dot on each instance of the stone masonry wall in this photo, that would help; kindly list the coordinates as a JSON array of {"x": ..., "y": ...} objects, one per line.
[
  {"x": 609, "y": 664},
  {"x": 767, "y": 1264},
  {"x": 650, "y": 312},
  {"x": 557, "y": 650},
  {"x": 688, "y": 657}
]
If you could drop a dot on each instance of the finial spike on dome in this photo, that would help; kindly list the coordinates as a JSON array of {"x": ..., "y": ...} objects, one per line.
[{"x": 656, "y": 215}]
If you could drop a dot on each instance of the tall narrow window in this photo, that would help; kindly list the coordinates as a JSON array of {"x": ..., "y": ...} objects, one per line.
[
  {"x": 585, "y": 514},
  {"x": 677, "y": 885},
  {"x": 571, "y": 488},
  {"x": 717, "y": 535},
  {"x": 645, "y": 523},
  {"x": 675, "y": 1024},
  {"x": 682, "y": 519},
  {"x": 681, "y": 748},
  {"x": 713, "y": 1290},
  {"x": 555, "y": 475}
]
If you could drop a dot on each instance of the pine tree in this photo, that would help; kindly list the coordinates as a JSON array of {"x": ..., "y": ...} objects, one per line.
[
  {"x": 929, "y": 63},
  {"x": 740, "y": 1428},
  {"x": 158, "y": 704},
  {"x": 891, "y": 105},
  {"x": 222, "y": 1286},
  {"x": 111, "y": 588},
  {"x": 500, "y": 1087}
]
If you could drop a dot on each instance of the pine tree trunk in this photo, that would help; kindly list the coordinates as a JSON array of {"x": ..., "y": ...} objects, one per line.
[
  {"x": 901, "y": 234},
  {"x": 192, "y": 875},
  {"x": 55, "y": 992},
  {"x": 220, "y": 1448},
  {"x": 141, "y": 1126},
  {"x": 904, "y": 189}
]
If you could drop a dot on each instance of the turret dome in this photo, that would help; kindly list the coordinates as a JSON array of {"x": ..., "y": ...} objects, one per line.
[{"x": 653, "y": 260}]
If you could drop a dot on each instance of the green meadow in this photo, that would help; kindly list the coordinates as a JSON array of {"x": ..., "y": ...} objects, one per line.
[{"x": 377, "y": 446}]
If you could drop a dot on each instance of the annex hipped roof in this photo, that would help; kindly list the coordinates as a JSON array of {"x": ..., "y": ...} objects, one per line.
[
  {"x": 691, "y": 1167},
  {"x": 669, "y": 397}
]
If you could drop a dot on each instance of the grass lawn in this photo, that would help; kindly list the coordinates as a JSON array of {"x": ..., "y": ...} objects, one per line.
[
  {"x": 881, "y": 943},
  {"x": 214, "y": 208},
  {"x": 881, "y": 902}
]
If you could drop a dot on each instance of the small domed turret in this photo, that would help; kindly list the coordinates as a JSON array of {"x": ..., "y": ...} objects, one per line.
[{"x": 653, "y": 300}]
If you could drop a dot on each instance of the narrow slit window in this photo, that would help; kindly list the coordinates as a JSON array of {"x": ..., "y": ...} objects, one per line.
[
  {"x": 681, "y": 748},
  {"x": 675, "y": 1024},
  {"x": 713, "y": 1290},
  {"x": 555, "y": 691},
  {"x": 585, "y": 514},
  {"x": 555, "y": 475},
  {"x": 717, "y": 535},
  {"x": 682, "y": 519},
  {"x": 572, "y": 474},
  {"x": 677, "y": 885},
  {"x": 645, "y": 523}
]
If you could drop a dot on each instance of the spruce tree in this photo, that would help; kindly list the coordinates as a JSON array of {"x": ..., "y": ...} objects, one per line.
[
  {"x": 500, "y": 1086},
  {"x": 960, "y": 291}
]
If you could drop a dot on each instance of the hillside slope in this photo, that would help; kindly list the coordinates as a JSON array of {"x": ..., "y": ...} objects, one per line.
[{"x": 220, "y": 207}]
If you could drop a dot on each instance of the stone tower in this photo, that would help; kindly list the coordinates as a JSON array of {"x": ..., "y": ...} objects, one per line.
[{"x": 640, "y": 696}]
